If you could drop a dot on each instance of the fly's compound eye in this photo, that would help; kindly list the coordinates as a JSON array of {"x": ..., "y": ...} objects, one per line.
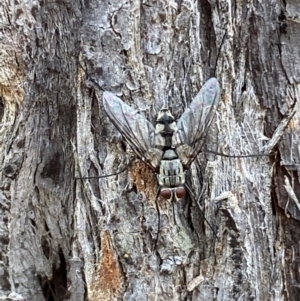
[
  {"x": 166, "y": 193},
  {"x": 180, "y": 192}
]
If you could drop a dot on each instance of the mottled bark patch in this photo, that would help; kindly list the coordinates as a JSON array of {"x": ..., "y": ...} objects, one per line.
[
  {"x": 144, "y": 179},
  {"x": 108, "y": 278},
  {"x": 1, "y": 108}
]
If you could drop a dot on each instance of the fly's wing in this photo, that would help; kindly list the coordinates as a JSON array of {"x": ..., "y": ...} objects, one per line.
[
  {"x": 136, "y": 130},
  {"x": 194, "y": 122}
]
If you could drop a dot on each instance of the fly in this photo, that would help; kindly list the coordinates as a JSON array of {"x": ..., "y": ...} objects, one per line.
[{"x": 170, "y": 147}]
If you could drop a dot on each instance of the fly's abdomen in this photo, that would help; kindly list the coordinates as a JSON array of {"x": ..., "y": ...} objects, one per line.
[{"x": 171, "y": 173}]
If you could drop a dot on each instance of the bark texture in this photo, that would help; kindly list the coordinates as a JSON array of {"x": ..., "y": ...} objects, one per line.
[{"x": 63, "y": 238}]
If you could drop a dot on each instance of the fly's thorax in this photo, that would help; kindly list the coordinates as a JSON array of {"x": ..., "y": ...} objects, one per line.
[{"x": 171, "y": 172}]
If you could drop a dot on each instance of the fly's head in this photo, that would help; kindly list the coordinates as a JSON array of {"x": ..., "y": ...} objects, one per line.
[
  {"x": 169, "y": 193},
  {"x": 165, "y": 122}
]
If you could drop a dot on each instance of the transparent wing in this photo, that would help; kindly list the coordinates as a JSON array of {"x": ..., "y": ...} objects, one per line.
[
  {"x": 194, "y": 122},
  {"x": 136, "y": 130}
]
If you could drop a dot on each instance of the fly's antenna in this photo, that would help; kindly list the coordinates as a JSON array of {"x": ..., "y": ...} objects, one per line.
[
  {"x": 219, "y": 51},
  {"x": 201, "y": 212},
  {"x": 158, "y": 219}
]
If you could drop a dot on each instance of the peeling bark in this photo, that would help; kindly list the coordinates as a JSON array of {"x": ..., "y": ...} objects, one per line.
[{"x": 63, "y": 238}]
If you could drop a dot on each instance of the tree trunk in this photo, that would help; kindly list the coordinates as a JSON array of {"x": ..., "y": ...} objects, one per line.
[{"x": 64, "y": 238}]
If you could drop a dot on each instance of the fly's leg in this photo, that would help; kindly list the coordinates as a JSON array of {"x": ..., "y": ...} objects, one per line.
[{"x": 110, "y": 175}]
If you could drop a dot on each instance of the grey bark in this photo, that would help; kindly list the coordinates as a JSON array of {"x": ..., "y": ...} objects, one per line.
[{"x": 68, "y": 239}]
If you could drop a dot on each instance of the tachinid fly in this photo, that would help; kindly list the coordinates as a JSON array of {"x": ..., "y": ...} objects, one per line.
[{"x": 170, "y": 147}]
